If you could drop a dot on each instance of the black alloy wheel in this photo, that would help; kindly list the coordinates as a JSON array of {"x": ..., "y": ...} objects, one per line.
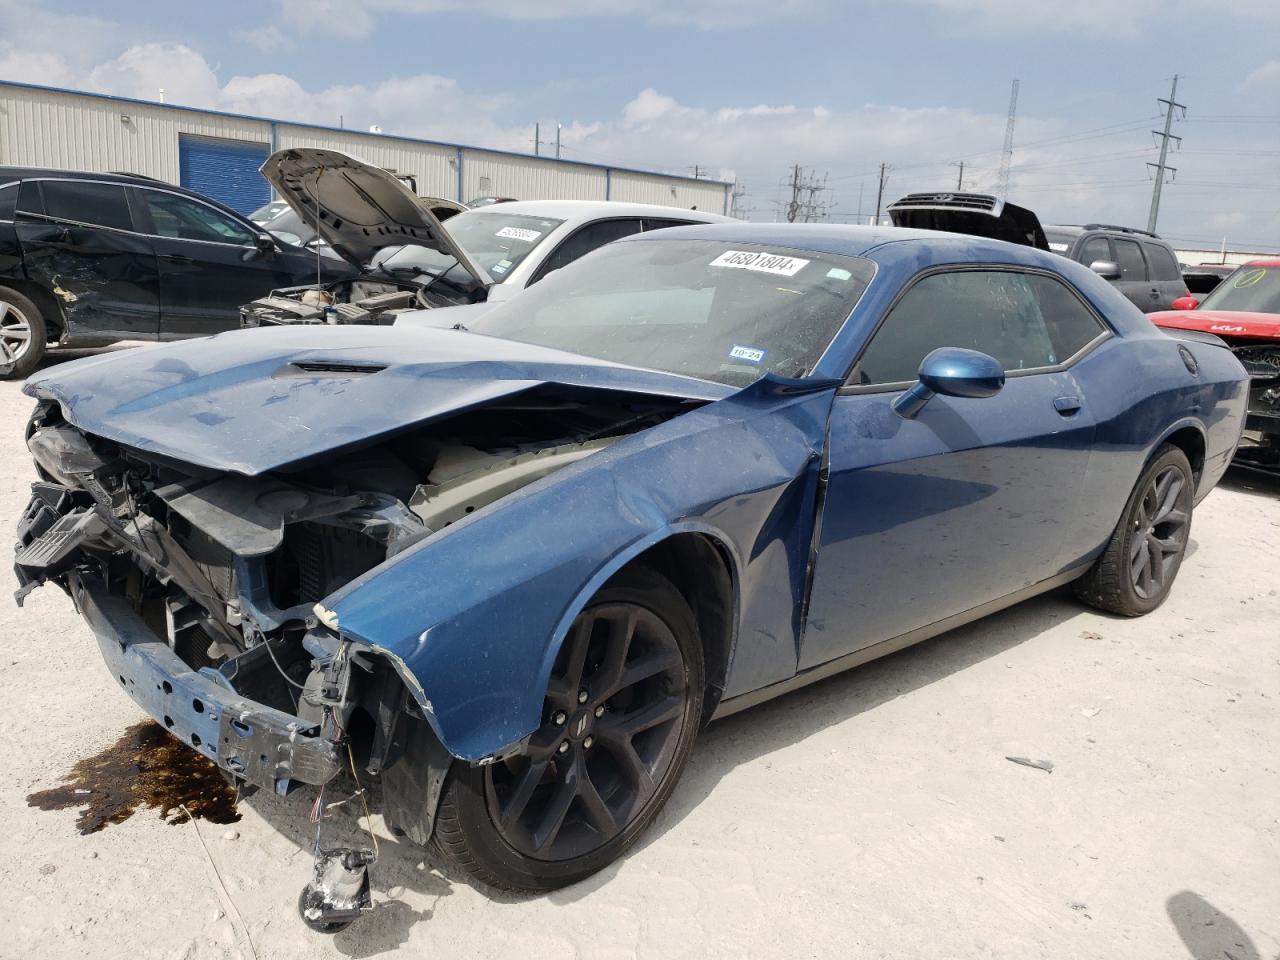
[
  {"x": 1137, "y": 567},
  {"x": 618, "y": 721},
  {"x": 1160, "y": 532}
]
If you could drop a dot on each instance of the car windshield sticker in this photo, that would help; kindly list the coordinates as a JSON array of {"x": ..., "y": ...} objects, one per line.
[
  {"x": 1058, "y": 247},
  {"x": 760, "y": 262},
  {"x": 519, "y": 233},
  {"x": 1249, "y": 279},
  {"x": 751, "y": 354},
  {"x": 500, "y": 267},
  {"x": 838, "y": 273}
]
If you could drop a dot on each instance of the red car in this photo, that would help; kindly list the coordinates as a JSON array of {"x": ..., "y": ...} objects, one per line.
[{"x": 1244, "y": 310}]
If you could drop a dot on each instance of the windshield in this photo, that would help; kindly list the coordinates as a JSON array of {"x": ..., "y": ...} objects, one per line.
[
  {"x": 1059, "y": 240},
  {"x": 728, "y": 312},
  {"x": 497, "y": 241},
  {"x": 1249, "y": 290}
]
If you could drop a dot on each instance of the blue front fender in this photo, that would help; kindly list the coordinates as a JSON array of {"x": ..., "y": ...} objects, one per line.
[{"x": 474, "y": 615}]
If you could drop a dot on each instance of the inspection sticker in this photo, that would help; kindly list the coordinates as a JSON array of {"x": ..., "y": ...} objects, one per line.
[
  {"x": 518, "y": 233},
  {"x": 760, "y": 262},
  {"x": 751, "y": 354}
]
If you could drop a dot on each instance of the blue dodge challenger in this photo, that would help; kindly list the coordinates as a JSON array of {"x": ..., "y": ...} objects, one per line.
[{"x": 511, "y": 567}]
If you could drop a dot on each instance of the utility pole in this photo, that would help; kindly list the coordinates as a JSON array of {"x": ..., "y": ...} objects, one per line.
[
  {"x": 804, "y": 206},
  {"x": 960, "y": 179},
  {"x": 557, "y": 141},
  {"x": 1171, "y": 104},
  {"x": 861, "y": 186},
  {"x": 793, "y": 208},
  {"x": 884, "y": 171},
  {"x": 1006, "y": 161},
  {"x": 537, "y": 138}
]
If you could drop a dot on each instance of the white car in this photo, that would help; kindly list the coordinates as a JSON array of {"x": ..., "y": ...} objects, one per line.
[{"x": 483, "y": 255}]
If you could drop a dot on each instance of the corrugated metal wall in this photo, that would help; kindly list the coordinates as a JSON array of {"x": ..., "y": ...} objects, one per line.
[
  {"x": 706, "y": 195},
  {"x": 75, "y": 131},
  {"x": 435, "y": 167}
]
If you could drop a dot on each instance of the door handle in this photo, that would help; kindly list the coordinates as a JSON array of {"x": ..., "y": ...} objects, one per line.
[
  {"x": 176, "y": 258},
  {"x": 1067, "y": 406}
]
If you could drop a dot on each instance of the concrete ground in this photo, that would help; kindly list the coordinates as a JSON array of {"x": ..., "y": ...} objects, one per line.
[{"x": 872, "y": 815}]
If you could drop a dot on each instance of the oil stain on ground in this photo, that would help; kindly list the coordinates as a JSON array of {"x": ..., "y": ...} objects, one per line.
[{"x": 144, "y": 768}]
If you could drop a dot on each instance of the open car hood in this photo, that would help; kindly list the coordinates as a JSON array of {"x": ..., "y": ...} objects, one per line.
[
  {"x": 359, "y": 209},
  {"x": 1224, "y": 323},
  {"x": 977, "y": 214},
  {"x": 251, "y": 401}
]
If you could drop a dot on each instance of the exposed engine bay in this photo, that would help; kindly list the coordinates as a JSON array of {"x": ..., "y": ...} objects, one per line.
[
  {"x": 1260, "y": 443},
  {"x": 361, "y": 301}
]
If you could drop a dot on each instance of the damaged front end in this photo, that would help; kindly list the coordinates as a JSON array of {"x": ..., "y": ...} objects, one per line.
[
  {"x": 1260, "y": 443},
  {"x": 205, "y": 589}
]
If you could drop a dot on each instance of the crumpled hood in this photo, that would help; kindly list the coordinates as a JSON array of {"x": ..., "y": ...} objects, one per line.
[
  {"x": 251, "y": 401},
  {"x": 1224, "y": 323}
]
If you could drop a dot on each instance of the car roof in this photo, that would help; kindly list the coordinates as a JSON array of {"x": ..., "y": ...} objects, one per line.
[
  {"x": 8, "y": 174},
  {"x": 841, "y": 239},
  {"x": 581, "y": 211},
  {"x": 1265, "y": 262}
]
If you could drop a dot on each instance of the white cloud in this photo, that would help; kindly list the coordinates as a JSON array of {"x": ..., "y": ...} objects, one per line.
[
  {"x": 268, "y": 39},
  {"x": 338, "y": 18},
  {"x": 1105, "y": 17},
  {"x": 1266, "y": 76},
  {"x": 705, "y": 14}
]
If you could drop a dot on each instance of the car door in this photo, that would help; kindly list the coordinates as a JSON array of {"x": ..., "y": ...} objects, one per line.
[
  {"x": 585, "y": 239},
  {"x": 930, "y": 517},
  {"x": 209, "y": 263},
  {"x": 1135, "y": 275},
  {"x": 78, "y": 242},
  {"x": 1166, "y": 276}
]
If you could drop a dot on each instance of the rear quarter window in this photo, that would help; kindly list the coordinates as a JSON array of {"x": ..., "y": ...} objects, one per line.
[
  {"x": 1163, "y": 265},
  {"x": 99, "y": 204}
]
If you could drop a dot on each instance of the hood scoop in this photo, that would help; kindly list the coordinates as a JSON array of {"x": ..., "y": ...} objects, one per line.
[{"x": 346, "y": 368}]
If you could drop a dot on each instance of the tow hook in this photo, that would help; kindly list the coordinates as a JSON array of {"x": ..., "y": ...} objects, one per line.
[{"x": 339, "y": 889}]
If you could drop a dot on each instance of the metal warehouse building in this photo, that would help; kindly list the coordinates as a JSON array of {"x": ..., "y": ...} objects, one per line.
[{"x": 218, "y": 154}]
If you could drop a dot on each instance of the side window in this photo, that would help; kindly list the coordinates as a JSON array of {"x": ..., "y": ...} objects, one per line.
[
  {"x": 1163, "y": 266},
  {"x": 1000, "y": 313},
  {"x": 1094, "y": 249},
  {"x": 587, "y": 239},
  {"x": 8, "y": 200},
  {"x": 1070, "y": 323},
  {"x": 102, "y": 204},
  {"x": 184, "y": 219},
  {"x": 652, "y": 224},
  {"x": 29, "y": 200},
  {"x": 1129, "y": 256}
]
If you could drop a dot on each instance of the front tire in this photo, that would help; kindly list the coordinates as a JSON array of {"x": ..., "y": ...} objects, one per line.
[
  {"x": 23, "y": 334},
  {"x": 1135, "y": 572},
  {"x": 619, "y": 720}
]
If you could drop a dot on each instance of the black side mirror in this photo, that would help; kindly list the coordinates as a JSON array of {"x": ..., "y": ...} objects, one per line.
[
  {"x": 952, "y": 372},
  {"x": 264, "y": 245}
]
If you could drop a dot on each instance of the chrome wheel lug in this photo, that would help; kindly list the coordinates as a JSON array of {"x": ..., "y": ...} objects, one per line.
[
  {"x": 564, "y": 747},
  {"x": 559, "y": 718},
  {"x": 588, "y": 742},
  {"x": 582, "y": 696},
  {"x": 599, "y": 711}
]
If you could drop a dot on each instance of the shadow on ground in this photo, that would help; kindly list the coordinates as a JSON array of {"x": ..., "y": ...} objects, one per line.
[{"x": 1207, "y": 932}]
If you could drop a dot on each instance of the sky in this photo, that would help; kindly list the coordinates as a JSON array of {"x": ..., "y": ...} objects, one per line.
[{"x": 744, "y": 89}]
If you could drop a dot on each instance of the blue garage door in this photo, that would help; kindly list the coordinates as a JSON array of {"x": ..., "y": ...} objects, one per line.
[{"x": 226, "y": 170}]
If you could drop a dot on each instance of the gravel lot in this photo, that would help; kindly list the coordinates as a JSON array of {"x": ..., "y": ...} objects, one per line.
[{"x": 872, "y": 815}]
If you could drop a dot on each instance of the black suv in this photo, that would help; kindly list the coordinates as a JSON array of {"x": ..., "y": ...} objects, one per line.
[
  {"x": 1140, "y": 265},
  {"x": 90, "y": 258}
]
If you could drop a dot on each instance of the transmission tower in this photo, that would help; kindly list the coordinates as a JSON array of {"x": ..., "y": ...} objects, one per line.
[
  {"x": 805, "y": 205},
  {"x": 1006, "y": 159},
  {"x": 1170, "y": 106}
]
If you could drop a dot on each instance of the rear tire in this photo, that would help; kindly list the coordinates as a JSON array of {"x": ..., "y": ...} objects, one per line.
[
  {"x": 1135, "y": 572},
  {"x": 619, "y": 721},
  {"x": 23, "y": 334}
]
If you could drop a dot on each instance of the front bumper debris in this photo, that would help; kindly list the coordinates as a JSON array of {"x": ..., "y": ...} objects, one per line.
[{"x": 251, "y": 741}]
